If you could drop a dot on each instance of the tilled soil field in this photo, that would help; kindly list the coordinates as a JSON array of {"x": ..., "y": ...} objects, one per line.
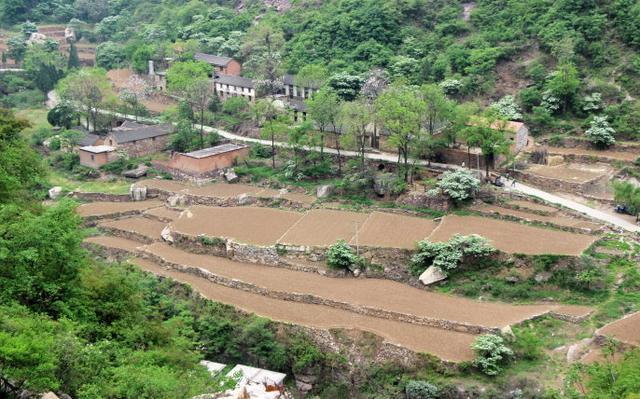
[
  {"x": 376, "y": 293},
  {"x": 323, "y": 227},
  {"x": 138, "y": 225},
  {"x": 616, "y": 155},
  {"x": 224, "y": 190},
  {"x": 163, "y": 213},
  {"x": 514, "y": 237},
  {"x": 114, "y": 242},
  {"x": 111, "y": 208},
  {"x": 534, "y": 206},
  {"x": 447, "y": 345},
  {"x": 556, "y": 220},
  {"x": 625, "y": 330},
  {"x": 393, "y": 231},
  {"x": 574, "y": 172},
  {"x": 260, "y": 226}
]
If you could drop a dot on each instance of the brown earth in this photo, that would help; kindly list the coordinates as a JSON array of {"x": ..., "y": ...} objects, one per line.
[
  {"x": 573, "y": 172},
  {"x": 114, "y": 242},
  {"x": 393, "y": 231},
  {"x": 260, "y": 226},
  {"x": 626, "y": 330},
  {"x": 323, "y": 227},
  {"x": 376, "y": 293},
  {"x": 625, "y": 156},
  {"x": 447, "y": 345},
  {"x": 514, "y": 237},
  {"x": 534, "y": 206},
  {"x": 556, "y": 220},
  {"x": 138, "y": 225},
  {"x": 163, "y": 184},
  {"x": 164, "y": 214},
  {"x": 108, "y": 208},
  {"x": 224, "y": 190}
]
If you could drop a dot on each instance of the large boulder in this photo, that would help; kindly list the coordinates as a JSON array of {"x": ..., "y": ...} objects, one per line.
[
  {"x": 176, "y": 200},
  {"x": 55, "y": 192},
  {"x": 432, "y": 275},
  {"x": 136, "y": 173},
  {"x": 138, "y": 193},
  {"x": 245, "y": 199},
  {"x": 230, "y": 176},
  {"x": 166, "y": 234},
  {"x": 324, "y": 191}
]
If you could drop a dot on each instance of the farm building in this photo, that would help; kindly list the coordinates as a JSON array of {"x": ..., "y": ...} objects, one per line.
[
  {"x": 221, "y": 65},
  {"x": 232, "y": 86},
  {"x": 293, "y": 89},
  {"x": 518, "y": 133},
  {"x": 94, "y": 156},
  {"x": 138, "y": 140},
  {"x": 209, "y": 160}
]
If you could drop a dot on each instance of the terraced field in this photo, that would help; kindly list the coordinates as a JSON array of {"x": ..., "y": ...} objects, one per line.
[
  {"x": 423, "y": 321},
  {"x": 626, "y": 330},
  {"x": 562, "y": 221}
]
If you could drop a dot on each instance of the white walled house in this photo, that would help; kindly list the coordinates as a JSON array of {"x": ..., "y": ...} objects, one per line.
[{"x": 233, "y": 86}]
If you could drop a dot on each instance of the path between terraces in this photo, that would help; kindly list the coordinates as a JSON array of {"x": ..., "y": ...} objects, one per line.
[{"x": 388, "y": 157}]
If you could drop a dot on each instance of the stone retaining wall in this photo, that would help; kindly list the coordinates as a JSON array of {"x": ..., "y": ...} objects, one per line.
[
  {"x": 316, "y": 300},
  {"x": 92, "y": 220},
  {"x": 129, "y": 235},
  {"x": 553, "y": 184},
  {"x": 95, "y": 197}
]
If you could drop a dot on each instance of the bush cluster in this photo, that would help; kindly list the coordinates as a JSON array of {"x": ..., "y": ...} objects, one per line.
[{"x": 449, "y": 255}]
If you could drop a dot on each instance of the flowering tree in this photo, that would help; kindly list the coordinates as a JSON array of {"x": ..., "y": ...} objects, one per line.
[{"x": 600, "y": 133}]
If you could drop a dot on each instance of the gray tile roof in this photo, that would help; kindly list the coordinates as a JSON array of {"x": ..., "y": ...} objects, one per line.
[
  {"x": 212, "y": 59},
  {"x": 88, "y": 139},
  {"x": 237, "y": 81},
  {"x": 132, "y": 131},
  {"x": 219, "y": 149},
  {"x": 290, "y": 80}
]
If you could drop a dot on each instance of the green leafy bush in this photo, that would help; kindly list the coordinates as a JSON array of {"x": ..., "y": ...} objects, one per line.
[
  {"x": 341, "y": 256},
  {"x": 491, "y": 354},
  {"x": 449, "y": 255},
  {"x": 421, "y": 390},
  {"x": 600, "y": 133}
]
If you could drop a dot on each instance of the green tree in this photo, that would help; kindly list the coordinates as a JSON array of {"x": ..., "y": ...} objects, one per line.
[
  {"x": 74, "y": 59},
  {"x": 63, "y": 115},
  {"x": 44, "y": 68},
  {"x": 323, "y": 108},
  {"x": 16, "y": 48},
  {"x": 110, "y": 55},
  {"x": 564, "y": 84},
  {"x": 198, "y": 94},
  {"x": 356, "y": 117},
  {"x": 401, "y": 110},
  {"x": 346, "y": 86},
  {"x": 491, "y": 353},
  {"x": 487, "y": 134},
  {"x": 341, "y": 256},
  {"x": 88, "y": 89},
  {"x": 181, "y": 75},
  {"x": 600, "y": 133},
  {"x": 271, "y": 121},
  {"x": 459, "y": 185}
]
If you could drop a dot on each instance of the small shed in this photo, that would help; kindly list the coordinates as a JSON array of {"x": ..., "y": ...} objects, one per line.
[
  {"x": 209, "y": 160},
  {"x": 94, "y": 156}
]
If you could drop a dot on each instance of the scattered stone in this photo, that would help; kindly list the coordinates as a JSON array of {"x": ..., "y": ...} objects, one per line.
[
  {"x": 138, "y": 193},
  {"x": 383, "y": 183},
  {"x": 230, "y": 176},
  {"x": 324, "y": 191},
  {"x": 136, "y": 173},
  {"x": 357, "y": 272},
  {"x": 542, "y": 277},
  {"x": 245, "y": 199},
  {"x": 49, "y": 395},
  {"x": 177, "y": 200},
  {"x": 282, "y": 191},
  {"x": 575, "y": 351},
  {"x": 433, "y": 274},
  {"x": 166, "y": 234},
  {"x": 69, "y": 35},
  {"x": 303, "y": 387},
  {"x": 507, "y": 332},
  {"x": 55, "y": 192},
  {"x": 512, "y": 279}
]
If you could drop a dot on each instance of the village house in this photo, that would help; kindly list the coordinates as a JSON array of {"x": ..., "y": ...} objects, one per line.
[
  {"x": 139, "y": 140},
  {"x": 94, "y": 156},
  {"x": 221, "y": 65},
  {"x": 517, "y": 132},
  {"x": 209, "y": 160},
  {"x": 233, "y": 86},
  {"x": 294, "y": 90}
]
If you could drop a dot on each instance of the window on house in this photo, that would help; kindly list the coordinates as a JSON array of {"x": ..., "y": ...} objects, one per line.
[{"x": 93, "y": 157}]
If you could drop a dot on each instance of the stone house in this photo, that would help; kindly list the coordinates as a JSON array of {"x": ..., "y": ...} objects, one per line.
[
  {"x": 209, "y": 160},
  {"x": 226, "y": 86},
  {"x": 221, "y": 65},
  {"x": 517, "y": 132},
  {"x": 94, "y": 156},
  {"x": 138, "y": 140},
  {"x": 294, "y": 90}
]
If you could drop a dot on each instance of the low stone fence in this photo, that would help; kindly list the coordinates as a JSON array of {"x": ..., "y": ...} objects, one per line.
[
  {"x": 553, "y": 184},
  {"x": 95, "y": 197},
  {"x": 92, "y": 220},
  {"x": 128, "y": 235},
  {"x": 241, "y": 200}
]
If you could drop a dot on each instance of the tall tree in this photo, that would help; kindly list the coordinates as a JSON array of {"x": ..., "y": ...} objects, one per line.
[
  {"x": 356, "y": 116},
  {"x": 375, "y": 83},
  {"x": 324, "y": 108},
  {"x": 489, "y": 135},
  {"x": 88, "y": 89},
  {"x": 44, "y": 67},
  {"x": 264, "y": 52},
  {"x": 198, "y": 94},
  {"x": 564, "y": 84},
  {"x": 74, "y": 59},
  {"x": 268, "y": 118},
  {"x": 401, "y": 111}
]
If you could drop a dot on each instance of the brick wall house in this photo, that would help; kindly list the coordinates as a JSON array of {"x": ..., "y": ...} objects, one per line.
[
  {"x": 209, "y": 160},
  {"x": 139, "y": 140},
  {"x": 221, "y": 65}
]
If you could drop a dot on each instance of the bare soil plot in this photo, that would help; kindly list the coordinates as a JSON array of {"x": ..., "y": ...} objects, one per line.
[
  {"x": 376, "y": 293},
  {"x": 138, "y": 225},
  {"x": 393, "y": 231},
  {"x": 514, "y": 237},
  {"x": 447, "y": 345},
  {"x": 163, "y": 213},
  {"x": 616, "y": 155},
  {"x": 109, "y": 208},
  {"x": 534, "y": 206},
  {"x": 219, "y": 190},
  {"x": 323, "y": 227},
  {"x": 626, "y": 330},
  {"x": 260, "y": 226},
  {"x": 557, "y": 220},
  {"x": 114, "y": 242},
  {"x": 163, "y": 184},
  {"x": 574, "y": 172}
]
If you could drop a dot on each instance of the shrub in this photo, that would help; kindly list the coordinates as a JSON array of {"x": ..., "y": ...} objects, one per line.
[
  {"x": 491, "y": 353},
  {"x": 458, "y": 184},
  {"x": 600, "y": 133},
  {"x": 421, "y": 390},
  {"x": 508, "y": 108},
  {"x": 260, "y": 151},
  {"x": 341, "y": 256},
  {"x": 449, "y": 255},
  {"x": 212, "y": 241}
]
